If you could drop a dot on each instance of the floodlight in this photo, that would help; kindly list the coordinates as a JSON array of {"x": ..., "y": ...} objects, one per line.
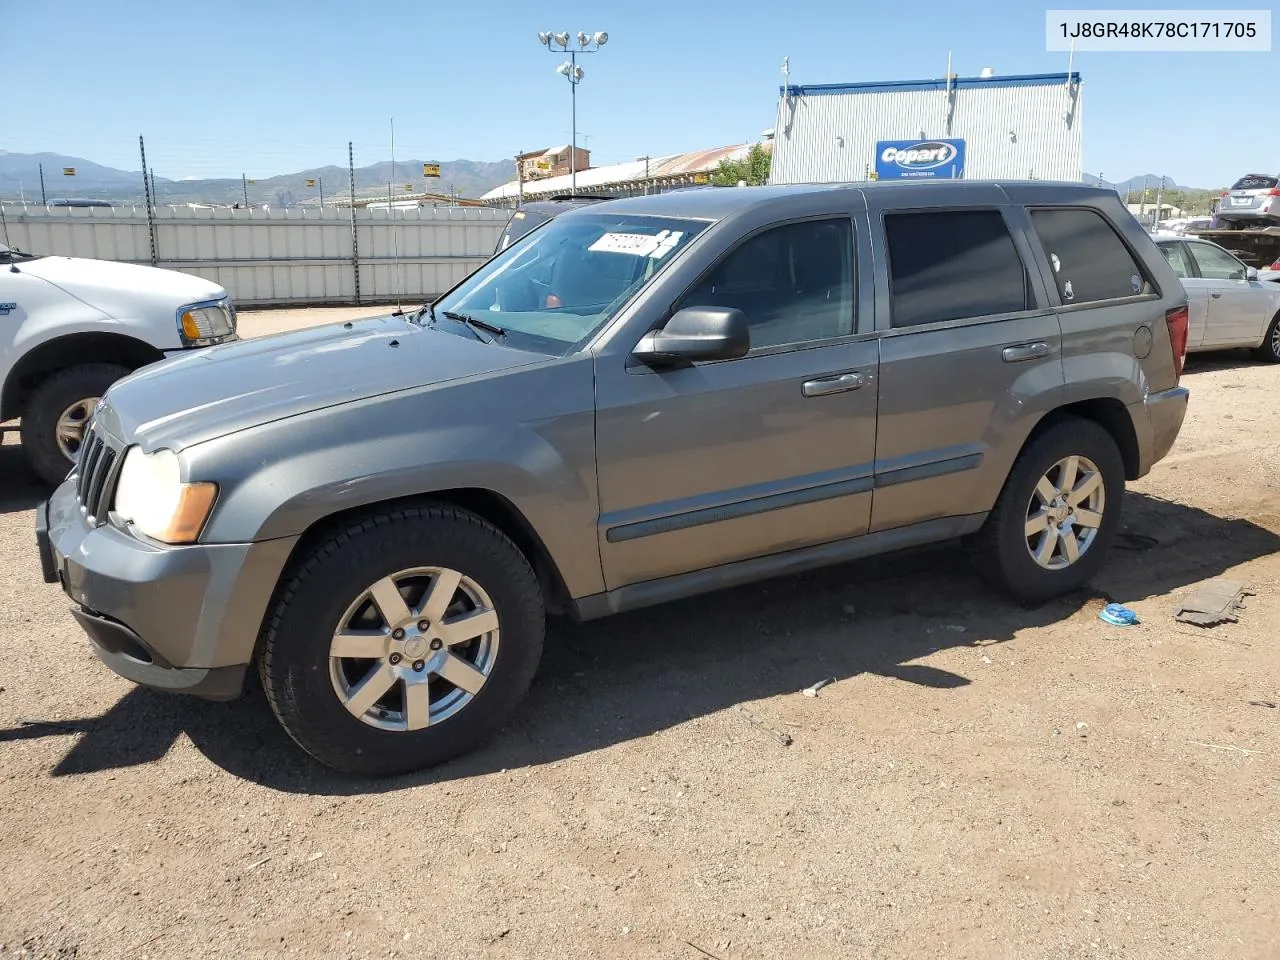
[
  {"x": 564, "y": 68},
  {"x": 577, "y": 74},
  {"x": 562, "y": 39},
  {"x": 583, "y": 38},
  {"x": 544, "y": 38},
  {"x": 601, "y": 38}
]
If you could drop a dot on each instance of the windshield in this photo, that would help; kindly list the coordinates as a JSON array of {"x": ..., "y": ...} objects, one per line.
[
  {"x": 553, "y": 289},
  {"x": 1255, "y": 182}
]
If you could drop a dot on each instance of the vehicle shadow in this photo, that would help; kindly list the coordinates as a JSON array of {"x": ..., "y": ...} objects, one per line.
[
  {"x": 1234, "y": 359},
  {"x": 630, "y": 676},
  {"x": 20, "y": 488}
]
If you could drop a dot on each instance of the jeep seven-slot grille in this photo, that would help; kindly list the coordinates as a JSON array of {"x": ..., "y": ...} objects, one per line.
[{"x": 96, "y": 476}]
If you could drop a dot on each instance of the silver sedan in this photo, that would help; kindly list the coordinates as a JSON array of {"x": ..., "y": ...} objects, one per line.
[{"x": 1231, "y": 305}]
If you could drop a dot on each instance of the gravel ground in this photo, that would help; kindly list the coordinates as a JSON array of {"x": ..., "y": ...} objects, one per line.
[{"x": 981, "y": 780}]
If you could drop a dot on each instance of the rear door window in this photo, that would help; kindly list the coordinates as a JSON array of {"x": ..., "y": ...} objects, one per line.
[
  {"x": 952, "y": 265},
  {"x": 1088, "y": 259}
]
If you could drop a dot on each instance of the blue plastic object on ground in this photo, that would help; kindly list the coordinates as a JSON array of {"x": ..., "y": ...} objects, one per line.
[{"x": 1119, "y": 616}]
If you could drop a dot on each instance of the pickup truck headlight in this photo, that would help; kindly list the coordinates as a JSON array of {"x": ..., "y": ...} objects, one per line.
[
  {"x": 152, "y": 496},
  {"x": 204, "y": 324}
]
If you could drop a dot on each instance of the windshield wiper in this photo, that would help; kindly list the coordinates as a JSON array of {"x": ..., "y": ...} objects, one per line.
[{"x": 473, "y": 324}]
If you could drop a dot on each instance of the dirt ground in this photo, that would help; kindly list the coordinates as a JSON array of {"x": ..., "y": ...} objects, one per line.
[{"x": 981, "y": 780}]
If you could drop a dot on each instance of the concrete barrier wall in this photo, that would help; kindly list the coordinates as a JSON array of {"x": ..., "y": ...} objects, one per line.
[{"x": 278, "y": 257}]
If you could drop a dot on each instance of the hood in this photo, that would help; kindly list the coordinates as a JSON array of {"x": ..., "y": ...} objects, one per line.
[
  {"x": 123, "y": 290},
  {"x": 209, "y": 393}
]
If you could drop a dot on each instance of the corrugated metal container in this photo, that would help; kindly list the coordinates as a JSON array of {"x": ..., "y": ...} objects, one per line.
[{"x": 1025, "y": 127}]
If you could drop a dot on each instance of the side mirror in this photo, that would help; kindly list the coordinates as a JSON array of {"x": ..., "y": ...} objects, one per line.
[
  {"x": 696, "y": 333},
  {"x": 1251, "y": 273}
]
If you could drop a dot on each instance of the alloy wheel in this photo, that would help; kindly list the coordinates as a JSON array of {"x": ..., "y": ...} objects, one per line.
[
  {"x": 1065, "y": 512},
  {"x": 414, "y": 648},
  {"x": 71, "y": 424}
]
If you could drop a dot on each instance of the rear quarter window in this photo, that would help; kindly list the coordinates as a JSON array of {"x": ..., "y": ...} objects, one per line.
[
  {"x": 1088, "y": 259},
  {"x": 952, "y": 265}
]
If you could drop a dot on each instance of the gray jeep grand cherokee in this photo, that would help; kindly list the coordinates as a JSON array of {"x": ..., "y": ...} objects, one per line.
[{"x": 642, "y": 400}]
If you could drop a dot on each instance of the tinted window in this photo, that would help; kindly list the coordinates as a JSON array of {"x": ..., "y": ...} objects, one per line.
[
  {"x": 1255, "y": 182},
  {"x": 1089, "y": 262},
  {"x": 952, "y": 264},
  {"x": 1216, "y": 264},
  {"x": 1176, "y": 255},
  {"x": 793, "y": 283}
]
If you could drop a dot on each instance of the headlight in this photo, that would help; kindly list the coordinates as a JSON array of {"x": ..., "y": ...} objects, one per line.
[
  {"x": 152, "y": 496},
  {"x": 204, "y": 324}
]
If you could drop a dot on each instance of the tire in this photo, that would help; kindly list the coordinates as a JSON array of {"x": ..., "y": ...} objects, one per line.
[
  {"x": 1269, "y": 352},
  {"x": 59, "y": 393},
  {"x": 1003, "y": 547},
  {"x": 332, "y": 587}
]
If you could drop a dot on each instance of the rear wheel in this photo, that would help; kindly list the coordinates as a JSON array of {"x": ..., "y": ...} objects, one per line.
[
  {"x": 1057, "y": 514},
  {"x": 57, "y": 413},
  {"x": 1269, "y": 352},
  {"x": 403, "y": 641}
]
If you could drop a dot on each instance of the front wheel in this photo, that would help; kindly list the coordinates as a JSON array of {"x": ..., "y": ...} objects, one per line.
[
  {"x": 1269, "y": 352},
  {"x": 1057, "y": 515},
  {"x": 58, "y": 412},
  {"x": 403, "y": 641}
]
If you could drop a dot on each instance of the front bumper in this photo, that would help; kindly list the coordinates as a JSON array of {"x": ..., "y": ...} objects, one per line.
[
  {"x": 183, "y": 619},
  {"x": 183, "y": 350}
]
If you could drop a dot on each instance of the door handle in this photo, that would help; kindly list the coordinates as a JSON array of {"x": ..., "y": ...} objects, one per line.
[
  {"x": 1216, "y": 296},
  {"x": 825, "y": 386},
  {"x": 1026, "y": 351}
]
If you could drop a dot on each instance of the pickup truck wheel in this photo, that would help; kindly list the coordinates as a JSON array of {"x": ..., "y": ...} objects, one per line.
[
  {"x": 1057, "y": 514},
  {"x": 57, "y": 412},
  {"x": 1269, "y": 352},
  {"x": 403, "y": 641}
]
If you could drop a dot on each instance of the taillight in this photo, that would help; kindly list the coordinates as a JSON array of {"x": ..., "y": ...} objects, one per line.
[
  {"x": 1226, "y": 193},
  {"x": 1274, "y": 192},
  {"x": 1276, "y": 265},
  {"x": 1178, "y": 319}
]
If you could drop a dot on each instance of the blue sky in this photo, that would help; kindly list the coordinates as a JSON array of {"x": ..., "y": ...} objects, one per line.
[{"x": 269, "y": 87}]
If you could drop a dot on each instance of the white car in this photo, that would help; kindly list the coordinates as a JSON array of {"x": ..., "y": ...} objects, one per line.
[
  {"x": 71, "y": 327},
  {"x": 1231, "y": 304},
  {"x": 1254, "y": 199}
]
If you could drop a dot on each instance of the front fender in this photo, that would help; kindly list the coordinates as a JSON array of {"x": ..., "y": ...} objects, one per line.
[{"x": 528, "y": 437}]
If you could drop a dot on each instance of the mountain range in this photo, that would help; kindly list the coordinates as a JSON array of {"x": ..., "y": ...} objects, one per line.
[
  {"x": 20, "y": 177},
  {"x": 1134, "y": 185}
]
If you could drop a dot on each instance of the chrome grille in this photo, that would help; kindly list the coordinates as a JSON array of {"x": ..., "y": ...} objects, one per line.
[{"x": 96, "y": 475}]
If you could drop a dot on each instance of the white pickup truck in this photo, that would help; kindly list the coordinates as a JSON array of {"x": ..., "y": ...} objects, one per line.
[{"x": 71, "y": 327}]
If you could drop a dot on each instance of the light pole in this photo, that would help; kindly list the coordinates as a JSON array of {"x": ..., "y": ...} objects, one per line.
[{"x": 560, "y": 43}]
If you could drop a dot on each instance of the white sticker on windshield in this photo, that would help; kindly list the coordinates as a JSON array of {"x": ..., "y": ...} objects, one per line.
[
  {"x": 667, "y": 243},
  {"x": 638, "y": 244}
]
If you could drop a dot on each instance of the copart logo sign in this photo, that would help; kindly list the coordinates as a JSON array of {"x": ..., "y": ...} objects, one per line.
[{"x": 919, "y": 159}]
